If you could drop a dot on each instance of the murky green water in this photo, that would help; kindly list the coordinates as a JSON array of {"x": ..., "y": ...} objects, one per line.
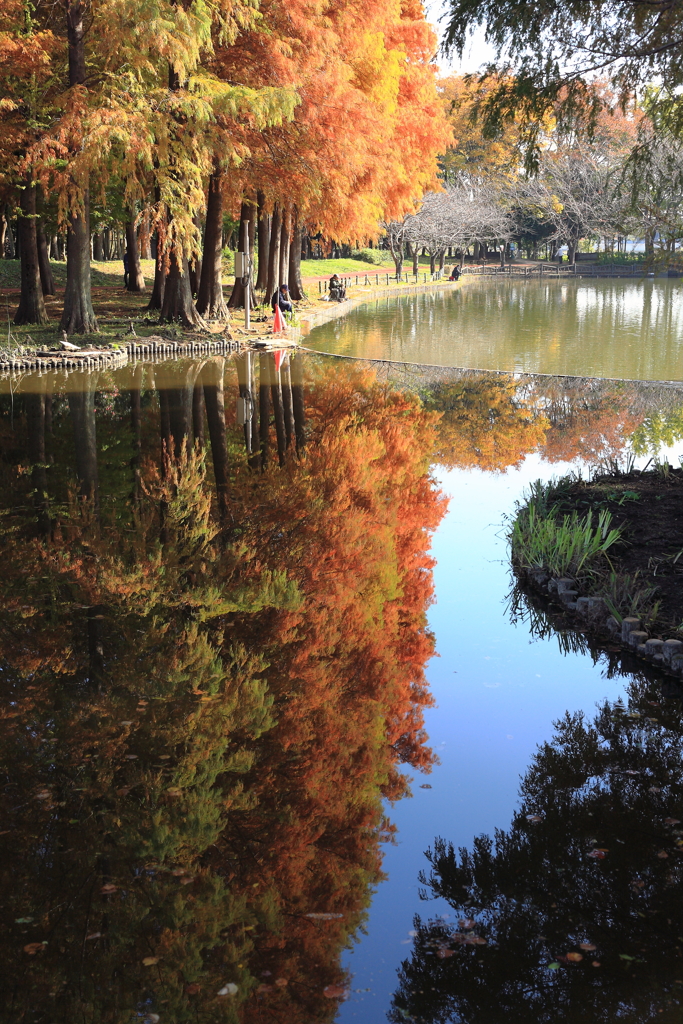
[
  {"x": 627, "y": 329},
  {"x": 226, "y": 742}
]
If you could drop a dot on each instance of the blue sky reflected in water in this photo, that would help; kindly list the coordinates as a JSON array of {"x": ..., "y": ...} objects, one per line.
[{"x": 498, "y": 692}]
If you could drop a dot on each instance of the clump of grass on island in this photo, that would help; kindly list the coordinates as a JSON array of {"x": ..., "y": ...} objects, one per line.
[{"x": 563, "y": 545}]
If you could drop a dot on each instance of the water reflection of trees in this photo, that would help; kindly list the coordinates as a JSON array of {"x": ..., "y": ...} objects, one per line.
[
  {"x": 494, "y": 420},
  {"x": 574, "y": 912},
  {"x": 210, "y": 677}
]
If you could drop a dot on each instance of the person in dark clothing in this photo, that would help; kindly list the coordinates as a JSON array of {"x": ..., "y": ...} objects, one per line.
[
  {"x": 455, "y": 274},
  {"x": 126, "y": 265},
  {"x": 281, "y": 298}
]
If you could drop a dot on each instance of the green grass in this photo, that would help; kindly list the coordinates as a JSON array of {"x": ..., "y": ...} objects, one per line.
[
  {"x": 326, "y": 268},
  {"x": 568, "y": 545}
]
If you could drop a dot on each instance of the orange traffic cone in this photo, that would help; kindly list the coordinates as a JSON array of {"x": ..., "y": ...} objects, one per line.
[{"x": 278, "y": 321}]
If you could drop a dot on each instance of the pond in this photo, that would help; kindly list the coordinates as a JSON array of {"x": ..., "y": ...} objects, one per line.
[
  {"x": 596, "y": 328},
  {"x": 261, "y": 651}
]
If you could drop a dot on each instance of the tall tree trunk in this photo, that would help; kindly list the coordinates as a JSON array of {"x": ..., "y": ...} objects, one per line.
[
  {"x": 264, "y": 406},
  {"x": 296, "y": 285},
  {"x": 284, "y": 247},
  {"x": 214, "y": 398},
  {"x": 273, "y": 283},
  {"x": 31, "y": 304},
  {"x": 263, "y": 241},
  {"x": 177, "y": 304},
  {"x": 297, "y": 377},
  {"x": 78, "y": 316},
  {"x": 210, "y": 301},
  {"x": 195, "y": 264},
  {"x": 247, "y": 214},
  {"x": 145, "y": 237},
  {"x": 82, "y": 408},
  {"x": 136, "y": 282},
  {"x": 97, "y": 249},
  {"x": 47, "y": 280}
]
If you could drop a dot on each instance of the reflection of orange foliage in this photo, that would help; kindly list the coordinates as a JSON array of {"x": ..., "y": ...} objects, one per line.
[
  {"x": 593, "y": 426},
  {"x": 352, "y": 523},
  {"x": 273, "y": 811},
  {"x": 485, "y": 424}
]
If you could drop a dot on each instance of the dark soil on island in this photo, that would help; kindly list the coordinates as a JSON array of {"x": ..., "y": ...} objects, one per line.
[{"x": 649, "y": 507}]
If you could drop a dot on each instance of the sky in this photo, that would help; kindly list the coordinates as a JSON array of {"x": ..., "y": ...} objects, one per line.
[{"x": 478, "y": 52}]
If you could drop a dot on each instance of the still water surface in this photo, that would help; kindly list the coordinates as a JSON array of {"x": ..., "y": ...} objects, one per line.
[
  {"x": 215, "y": 671},
  {"x": 599, "y": 328}
]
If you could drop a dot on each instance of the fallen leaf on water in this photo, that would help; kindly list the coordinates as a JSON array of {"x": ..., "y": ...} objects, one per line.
[
  {"x": 228, "y": 990},
  {"x": 174, "y": 792},
  {"x": 131, "y": 757},
  {"x": 34, "y": 947},
  {"x": 588, "y": 946},
  {"x": 662, "y": 855},
  {"x": 193, "y": 988},
  {"x": 44, "y": 794},
  {"x": 323, "y": 917},
  {"x": 574, "y": 958},
  {"x": 93, "y": 935},
  {"x": 534, "y": 817},
  {"x": 23, "y": 920},
  {"x": 179, "y": 871},
  {"x": 262, "y": 989},
  {"x": 123, "y": 792},
  {"x": 466, "y": 922},
  {"x": 595, "y": 963},
  {"x": 149, "y": 961},
  {"x": 625, "y": 956},
  {"x": 554, "y": 966},
  {"x": 335, "y": 991},
  {"x": 444, "y": 952},
  {"x": 125, "y": 723},
  {"x": 281, "y": 982},
  {"x": 630, "y": 771},
  {"x": 672, "y": 821},
  {"x": 109, "y": 887},
  {"x": 597, "y": 854},
  {"x": 475, "y": 940},
  {"x": 654, "y": 789},
  {"x": 187, "y": 880}
]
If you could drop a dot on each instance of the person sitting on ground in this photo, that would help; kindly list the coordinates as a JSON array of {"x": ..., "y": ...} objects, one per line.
[
  {"x": 337, "y": 289},
  {"x": 281, "y": 298},
  {"x": 455, "y": 273}
]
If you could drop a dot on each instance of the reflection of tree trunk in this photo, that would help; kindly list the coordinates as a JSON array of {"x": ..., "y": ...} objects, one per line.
[
  {"x": 274, "y": 254},
  {"x": 263, "y": 242},
  {"x": 35, "y": 414},
  {"x": 247, "y": 213},
  {"x": 136, "y": 282},
  {"x": 198, "y": 414},
  {"x": 214, "y": 399},
  {"x": 210, "y": 301},
  {"x": 297, "y": 377},
  {"x": 165, "y": 426},
  {"x": 286, "y": 378},
  {"x": 82, "y": 408},
  {"x": 95, "y": 644},
  {"x": 31, "y": 305},
  {"x": 136, "y": 429},
  {"x": 243, "y": 365},
  {"x": 264, "y": 406},
  {"x": 296, "y": 285},
  {"x": 278, "y": 410}
]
